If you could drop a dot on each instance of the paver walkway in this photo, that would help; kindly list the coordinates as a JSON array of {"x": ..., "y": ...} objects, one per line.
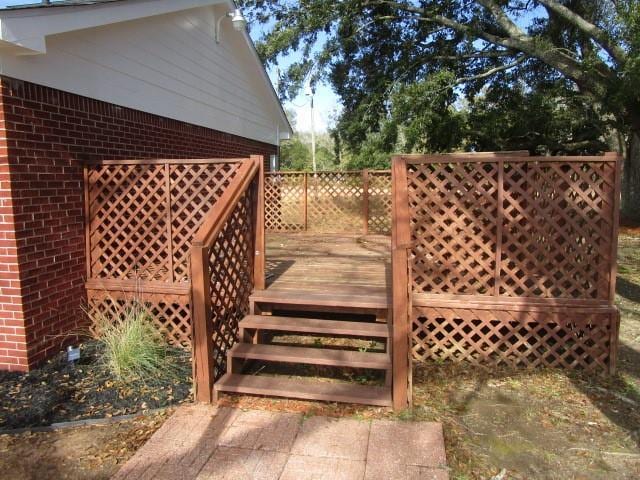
[{"x": 205, "y": 442}]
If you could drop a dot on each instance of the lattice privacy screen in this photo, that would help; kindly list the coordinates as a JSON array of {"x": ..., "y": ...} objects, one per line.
[
  {"x": 231, "y": 260},
  {"x": 536, "y": 229},
  {"x": 328, "y": 202},
  {"x": 141, "y": 218}
]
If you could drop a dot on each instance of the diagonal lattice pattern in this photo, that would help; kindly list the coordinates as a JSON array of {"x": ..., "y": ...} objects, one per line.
[
  {"x": 231, "y": 260},
  {"x": 494, "y": 230},
  {"x": 507, "y": 337},
  {"x": 379, "y": 195},
  {"x": 558, "y": 220},
  {"x": 129, "y": 222},
  {"x": 284, "y": 195},
  {"x": 194, "y": 190},
  {"x": 143, "y": 216},
  {"x": 169, "y": 312},
  {"x": 328, "y": 202},
  {"x": 335, "y": 202},
  {"x": 453, "y": 227}
]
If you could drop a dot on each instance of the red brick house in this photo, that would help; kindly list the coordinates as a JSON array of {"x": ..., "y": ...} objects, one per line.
[{"x": 112, "y": 79}]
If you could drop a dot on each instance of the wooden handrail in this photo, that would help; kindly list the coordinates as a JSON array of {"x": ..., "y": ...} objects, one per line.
[
  {"x": 206, "y": 236},
  {"x": 216, "y": 218}
]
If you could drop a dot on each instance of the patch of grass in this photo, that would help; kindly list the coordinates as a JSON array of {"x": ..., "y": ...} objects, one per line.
[{"x": 132, "y": 349}]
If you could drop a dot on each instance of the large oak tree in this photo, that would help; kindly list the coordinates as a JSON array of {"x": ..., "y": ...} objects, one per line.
[{"x": 367, "y": 48}]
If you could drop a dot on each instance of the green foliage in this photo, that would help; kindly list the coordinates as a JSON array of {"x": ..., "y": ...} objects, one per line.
[
  {"x": 552, "y": 119},
  {"x": 426, "y": 115},
  {"x": 132, "y": 348},
  {"x": 295, "y": 154}
]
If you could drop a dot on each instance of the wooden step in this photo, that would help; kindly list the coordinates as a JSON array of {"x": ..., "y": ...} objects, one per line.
[
  {"x": 310, "y": 356},
  {"x": 365, "y": 301},
  {"x": 304, "y": 389},
  {"x": 317, "y": 326}
]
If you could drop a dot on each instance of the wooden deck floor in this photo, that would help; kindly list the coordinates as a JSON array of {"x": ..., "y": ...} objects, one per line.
[{"x": 330, "y": 266}]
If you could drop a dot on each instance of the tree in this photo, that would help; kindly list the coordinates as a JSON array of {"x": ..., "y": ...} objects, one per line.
[
  {"x": 547, "y": 119},
  {"x": 367, "y": 48},
  {"x": 294, "y": 155}
]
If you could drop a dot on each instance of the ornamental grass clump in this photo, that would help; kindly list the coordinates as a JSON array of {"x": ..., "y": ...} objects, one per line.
[{"x": 132, "y": 349}]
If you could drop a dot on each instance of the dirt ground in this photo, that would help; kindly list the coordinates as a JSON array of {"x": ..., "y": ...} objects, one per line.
[
  {"x": 60, "y": 391},
  {"x": 90, "y": 452}
]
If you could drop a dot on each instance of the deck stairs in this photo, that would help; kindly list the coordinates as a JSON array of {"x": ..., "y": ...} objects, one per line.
[{"x": 274, "y": 313}]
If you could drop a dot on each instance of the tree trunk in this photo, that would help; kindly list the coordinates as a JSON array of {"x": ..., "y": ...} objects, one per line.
[{"x": 631, "y": 178}]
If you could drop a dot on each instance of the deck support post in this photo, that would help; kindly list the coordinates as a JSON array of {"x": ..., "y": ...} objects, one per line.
[
  {"x": 400, "y": 240},
  {"x": 259, "y": 281},
  {"x": 203, "y": 368}
]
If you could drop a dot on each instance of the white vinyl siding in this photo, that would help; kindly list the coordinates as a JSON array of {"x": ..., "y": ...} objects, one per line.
[{"x": 169, "y": 65}]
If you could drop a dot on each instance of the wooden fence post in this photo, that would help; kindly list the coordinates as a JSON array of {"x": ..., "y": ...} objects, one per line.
[
  {"x": 365, "y": 200},
  {"x": 305, "y": 190},
  {"x": 202, "y": 331},
  {"x": 614, "y": 317},
  {"x": 259, "y": 255},
  {"x": 87, "y": 221},
  {"x": 400, "y": 240}
]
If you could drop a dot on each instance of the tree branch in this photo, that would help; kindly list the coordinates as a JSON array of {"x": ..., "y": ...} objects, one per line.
[
  {"x": 599, "y": 35},
  {"x": 491, "y": 71},
  {"x": 516, "y": 39}
]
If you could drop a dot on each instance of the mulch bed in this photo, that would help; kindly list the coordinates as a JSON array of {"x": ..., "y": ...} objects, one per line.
[{"x": 60, "y": 391}]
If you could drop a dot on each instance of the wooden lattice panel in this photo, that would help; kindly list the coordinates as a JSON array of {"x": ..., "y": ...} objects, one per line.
[
  {"x": 129, "y": 218},
  {"x": 143, "y": 216},
  {"x": 194, "y": 190},
  {"x": 379, "y": 197},
  {"x": 335, "y": 202},
  {"x": 328, "y": 202},
  {"x": 231, "y": 260},
  {"x": 284, "y": 195},
  {"x": 453, "y": 210},
  {"x": 514, "y": 338},
  {"x": 557, "y": 231},
  {"x": 169, "y": 312}
]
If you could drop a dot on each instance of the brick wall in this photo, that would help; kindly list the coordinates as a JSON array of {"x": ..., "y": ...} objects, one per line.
[{"x": 46, "y": 135}]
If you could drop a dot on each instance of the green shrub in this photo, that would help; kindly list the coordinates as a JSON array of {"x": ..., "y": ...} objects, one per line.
[{"x": 132, "y": 349}]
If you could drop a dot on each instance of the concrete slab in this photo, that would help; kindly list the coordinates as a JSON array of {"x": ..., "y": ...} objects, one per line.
[
  {"x": 333, "y": 437},
  {"x": 203, "y": 442}
]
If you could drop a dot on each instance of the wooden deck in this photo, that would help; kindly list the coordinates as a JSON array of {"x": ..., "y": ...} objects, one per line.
[{"x": 353, "y": 269}]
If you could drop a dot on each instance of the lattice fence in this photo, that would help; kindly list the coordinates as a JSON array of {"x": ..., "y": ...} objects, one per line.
[
  {"x": 231, "y": 261},
  {"x": 285, "y": 202},
  {"x": 170, "y": 312},
  {"x": 141, "y": 218},
  {"x": 328, "y": 202},
  {"x": 535, "y": 236}
]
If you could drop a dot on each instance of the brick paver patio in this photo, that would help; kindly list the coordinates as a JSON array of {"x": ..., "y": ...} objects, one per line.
[{"x": 205, "y": 442}]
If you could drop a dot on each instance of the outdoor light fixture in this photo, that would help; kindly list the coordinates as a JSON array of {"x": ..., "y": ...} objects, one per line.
[{"x": 237, "y": 20}]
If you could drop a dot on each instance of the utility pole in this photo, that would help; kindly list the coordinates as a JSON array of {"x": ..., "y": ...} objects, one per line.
[{"x": 313, "y": 131}]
